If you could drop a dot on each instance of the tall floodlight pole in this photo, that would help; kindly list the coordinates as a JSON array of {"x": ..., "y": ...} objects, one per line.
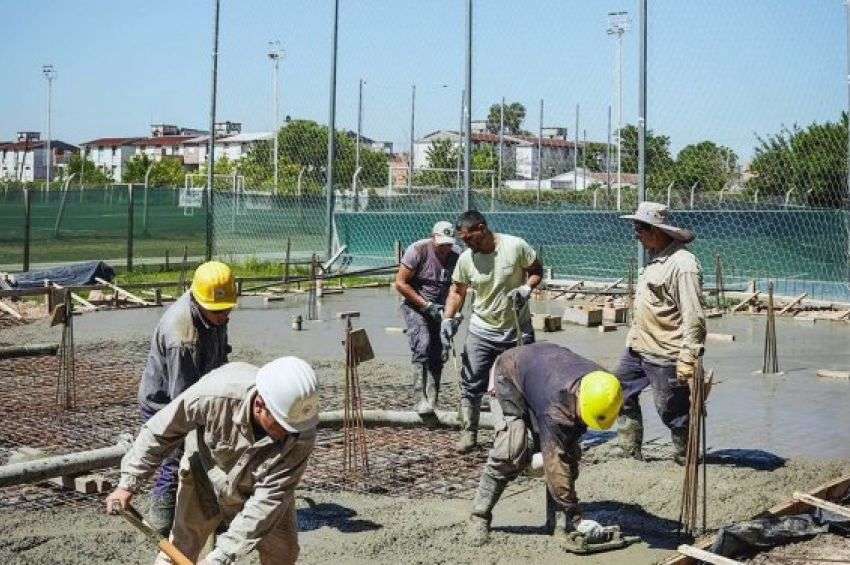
[
  {"x": 460, "y": 136},
  {"x": 329, "y": 182},
  {"x": 618, "y": 25},
  {"x": 412, "y": 126},
  {"x": 501, "y": 139},
  {"x": 359, "y": 128},
  {"x": 275, "y": 55},
  {"x": 575, "y": 153},
  {"x": 641, "y": 195},
  {"x": 608, "y": 152},
  {"x": 211, "y": 150},
  {"x": 539, "y": 152},
  {"x": 467, "y": 149},
  {"x": 49, "y": 73},
  {"x": 847, "y": 18}
]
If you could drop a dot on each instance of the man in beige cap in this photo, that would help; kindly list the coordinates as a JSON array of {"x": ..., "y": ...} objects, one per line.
[
  {"x": 423, "y": 279},
  {"x": 667, "y": 335}
]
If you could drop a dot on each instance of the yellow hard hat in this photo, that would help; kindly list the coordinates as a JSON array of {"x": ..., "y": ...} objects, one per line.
[
  {"x": 213, "y": 286},
  {"x": 600, "y": 398}
]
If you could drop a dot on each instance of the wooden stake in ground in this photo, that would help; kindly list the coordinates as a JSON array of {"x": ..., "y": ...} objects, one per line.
[
  {"x": 770, "y": 365},
  {"x": 695, "y": 454},
  {"x": 631, "y": 289}
]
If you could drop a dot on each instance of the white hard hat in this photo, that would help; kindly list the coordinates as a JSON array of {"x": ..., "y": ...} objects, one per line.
[
  {"x": 290, "y": 390},
  {"x": 444, "y": 233}
]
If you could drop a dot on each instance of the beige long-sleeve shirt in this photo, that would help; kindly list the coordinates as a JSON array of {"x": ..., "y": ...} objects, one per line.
[
  {"x": 669, "y": 320},
  {"x": 253, "y": 479}
]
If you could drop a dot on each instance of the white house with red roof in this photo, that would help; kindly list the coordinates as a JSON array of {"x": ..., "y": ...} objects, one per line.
[
  {"x": 110, "y": 154},
  {"x": 26, "y": 159}
]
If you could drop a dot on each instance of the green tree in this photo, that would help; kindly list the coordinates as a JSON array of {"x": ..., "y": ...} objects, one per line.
[
  {"x": 658, "y": 157},
  {"x": 706, "y": 163},
  {"x": 442, "y": 154},
  {"x": 91, "y": 174},
  {"x": 514, "y": 115},
  {"x": 484, "y": 159},
  {"x": 811, "y": 161},
  {"x": 167, "y": 172},
  {"x": 135, "y": 169}
]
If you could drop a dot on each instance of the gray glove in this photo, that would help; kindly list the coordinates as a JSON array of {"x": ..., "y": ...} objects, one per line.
[
  {"x": 448, "y": 329},
  {"x": 519, "y": 296},
  {"x": 434, "y": 312}
]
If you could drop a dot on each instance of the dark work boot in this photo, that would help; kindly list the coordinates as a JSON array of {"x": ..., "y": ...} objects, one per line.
[
  {"x": 468, "y": 427},
  {"x": 630, "y": 432},
  {"x": 160, "y": 515},
  {"x": 478, "y": 527},
  {"x": 680, "y": 445}
]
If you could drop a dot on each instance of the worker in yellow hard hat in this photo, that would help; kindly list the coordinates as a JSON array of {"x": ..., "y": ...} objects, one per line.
[
  {"x": 559, "y": 395},
  {"x": 189, "y": 342}
]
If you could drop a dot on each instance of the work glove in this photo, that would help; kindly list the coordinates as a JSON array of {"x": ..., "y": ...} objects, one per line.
[
  {"x": 684, "y": 371},
  {"x": 434, "y": 312},
  {"x": 519, "y": 296},
  {"x": 448, "y": 330}
]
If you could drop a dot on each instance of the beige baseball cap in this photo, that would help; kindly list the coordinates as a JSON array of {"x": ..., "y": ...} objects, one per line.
[{"x": 444, "y": 233}]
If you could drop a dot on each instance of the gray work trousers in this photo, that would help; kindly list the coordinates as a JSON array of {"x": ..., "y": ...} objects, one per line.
[
  {"x": 672, "y": 398},
  {"x": 423, "y": 335},
  {"x": 477, "y": 359}
]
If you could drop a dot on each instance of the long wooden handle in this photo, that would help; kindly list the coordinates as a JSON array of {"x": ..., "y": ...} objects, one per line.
[
  {"x": 175, "y": 554},
  {"x": 132, "y": 515}
]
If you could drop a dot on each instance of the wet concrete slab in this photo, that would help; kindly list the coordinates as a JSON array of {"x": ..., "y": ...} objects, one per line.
[{"x": 790, "y": 415}]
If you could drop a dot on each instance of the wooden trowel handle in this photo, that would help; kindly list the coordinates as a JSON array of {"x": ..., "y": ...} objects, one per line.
[{"x": 132, "y": 515}]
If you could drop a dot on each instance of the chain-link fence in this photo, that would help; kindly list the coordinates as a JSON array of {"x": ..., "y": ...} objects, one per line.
[{"x": 747, "y": 143}]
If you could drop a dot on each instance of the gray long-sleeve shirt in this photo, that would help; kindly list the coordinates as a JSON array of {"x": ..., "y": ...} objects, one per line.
[{"x": 184, "y": 347}]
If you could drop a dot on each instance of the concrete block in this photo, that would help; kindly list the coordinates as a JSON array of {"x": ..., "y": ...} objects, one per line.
[
  {"x": 64, "y": 482},
  {"x": 103, "y": 484},
  {"x": 588, "y": 317},
  {"x": 546, "y": 323},
  {"x": 604, "y": 328},
  {"x": 395, "y": 330},
  {"x": 85, "y": 484},
  {"x": 720, "y": 337},
  {"x": 616, "y": 314}
]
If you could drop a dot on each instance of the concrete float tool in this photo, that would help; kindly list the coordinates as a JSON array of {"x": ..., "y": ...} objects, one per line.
[
  {"x": 133, "y": 517},
  {"x": 609, "y": 538}
]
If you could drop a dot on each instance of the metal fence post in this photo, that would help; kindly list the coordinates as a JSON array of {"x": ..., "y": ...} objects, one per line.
[
  {"x": 27, "y": 228},
  {"x": 329, "y": 181},
  {"x": 641, "y": 195},
  {"x": 130, "y": 227}
]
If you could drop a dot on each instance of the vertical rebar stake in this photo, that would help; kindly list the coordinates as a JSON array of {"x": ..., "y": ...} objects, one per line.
[{"x": 771, "y": 360}]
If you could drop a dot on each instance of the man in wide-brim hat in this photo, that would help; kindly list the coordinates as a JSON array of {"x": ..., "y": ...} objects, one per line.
[{"x": 667, "y": 333}]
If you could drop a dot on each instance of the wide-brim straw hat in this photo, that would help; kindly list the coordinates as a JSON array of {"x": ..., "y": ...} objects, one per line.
[{"x": 658, "y": 215}]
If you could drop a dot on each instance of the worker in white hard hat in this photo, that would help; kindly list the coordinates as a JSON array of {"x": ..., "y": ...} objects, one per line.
[
  {"x": 189, "y": 341},
  {"x": 423, "y": 279},
  {"x": 248, "y": 433}
]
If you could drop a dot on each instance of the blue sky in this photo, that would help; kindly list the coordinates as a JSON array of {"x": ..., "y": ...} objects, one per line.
[{"x": 719, "y": 70}]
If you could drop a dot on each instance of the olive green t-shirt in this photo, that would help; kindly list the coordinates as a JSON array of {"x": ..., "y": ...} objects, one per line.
[{"x": 492, "y": 276}]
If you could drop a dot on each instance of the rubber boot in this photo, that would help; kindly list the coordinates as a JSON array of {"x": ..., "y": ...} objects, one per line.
[
  {"x": 630, "y": 431},
  {"x": 160, "y": 515},
  {"x": 469, "y": 415},
  {"x": 489, "y": 491},
  {"x": 432, "y": 387},
  {"x": 420, "y": 377},
  {"x": 680, "y": 445}
]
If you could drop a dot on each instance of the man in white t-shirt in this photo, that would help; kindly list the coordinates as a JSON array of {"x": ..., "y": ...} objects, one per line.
[{"x": 502, "y": 270}]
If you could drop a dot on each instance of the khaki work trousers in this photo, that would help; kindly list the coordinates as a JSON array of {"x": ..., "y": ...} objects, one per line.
[{"x": 192, "y": 529}]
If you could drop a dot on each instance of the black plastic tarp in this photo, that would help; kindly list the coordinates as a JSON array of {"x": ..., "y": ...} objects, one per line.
[
  {"x": 750, "y": 537},
  {"x": 65, "y": 275}
]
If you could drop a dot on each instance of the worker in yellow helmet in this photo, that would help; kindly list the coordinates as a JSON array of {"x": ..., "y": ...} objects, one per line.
[
  {"x": 559, "y": 395},
  {"x": 189, "y": 342}
]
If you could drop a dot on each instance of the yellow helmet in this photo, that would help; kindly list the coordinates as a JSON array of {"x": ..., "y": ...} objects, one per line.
[
  {"x": 600, "y": 398},
  {"x": 213, "y": 286}
]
